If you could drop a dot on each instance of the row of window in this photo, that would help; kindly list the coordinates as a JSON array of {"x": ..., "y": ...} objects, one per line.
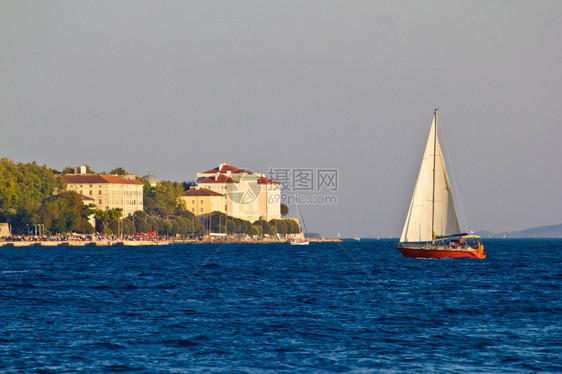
[
  {"x": 91, "y": 192},
  {"x": 120, "y": 192},
  {"x": 126, "y": 193},
  {"x": 126, "y": 202}
]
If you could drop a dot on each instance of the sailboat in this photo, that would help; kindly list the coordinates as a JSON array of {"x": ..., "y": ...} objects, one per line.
[
  {"x": 432, "y": 229},
  {"x": 302, "y": 239}
]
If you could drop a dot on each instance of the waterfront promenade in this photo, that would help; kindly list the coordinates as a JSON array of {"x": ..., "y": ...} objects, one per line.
[{"x": 83, "y": 241}]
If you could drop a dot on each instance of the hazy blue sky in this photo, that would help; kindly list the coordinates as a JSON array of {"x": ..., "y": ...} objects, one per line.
[{"x": 179, "y": 87}]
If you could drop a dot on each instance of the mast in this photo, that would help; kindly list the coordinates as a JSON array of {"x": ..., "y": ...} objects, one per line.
[
  {"x": 298, "y": 214},
  {"x": 436, "y": 113}
]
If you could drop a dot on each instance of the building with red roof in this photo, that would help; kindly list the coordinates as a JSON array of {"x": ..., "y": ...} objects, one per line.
[
  {"x": 107, "y": 191},
  {"x": 249, "y": 195},
  {"x": 203, "y": 201}
]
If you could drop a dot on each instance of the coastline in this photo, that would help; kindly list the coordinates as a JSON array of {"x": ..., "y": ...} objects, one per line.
[{"x": 143, "y": 243}]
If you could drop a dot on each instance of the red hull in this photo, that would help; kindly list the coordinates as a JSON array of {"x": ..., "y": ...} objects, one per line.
[{"x": 442, "y": 253}]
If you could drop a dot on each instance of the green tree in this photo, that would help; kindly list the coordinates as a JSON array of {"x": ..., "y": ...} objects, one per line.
[
  {"x": 128, "y": 226},
  {"x": 119, "y": 171},
  {"x": 163, "y": 196},
  {"x": 182, "y": 223},
  {"x": 68, "y": 170},
  {"x": 266, "y": 227},
  {"x": 280, "y": 225},
  {"x": 232, "y": 226},
  {"x": 168, "y": 226},
  {"x": 140, "y": 221},
  {"x": 23, "y": 188},
  {"x": 175, "y": 227},
  {"x": 218, "y": 219},
  {"x": 9, "y": 174},
  {"x": 188, "y": 185},
  {"x": 159, "y": 226},
  {"x": 246, "y": 227},
  {"x": 284, "y": 210},
  {"x": 256, "y": 230},
  {"x": 161, "y": 212},
  {"x": 292, "y": 226},
  {"x": 189, "y": 226},
  {"x": 105, "y": 217},
  {"x": 64, "y": 213},
  {"x": 153, "y": 224}
]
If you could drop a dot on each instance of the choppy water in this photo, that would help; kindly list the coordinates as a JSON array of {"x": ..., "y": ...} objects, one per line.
[{"x": 349, "y": 307}]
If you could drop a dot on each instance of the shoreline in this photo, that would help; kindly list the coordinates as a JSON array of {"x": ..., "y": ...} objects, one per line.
[{"x": 143, "y": 243}]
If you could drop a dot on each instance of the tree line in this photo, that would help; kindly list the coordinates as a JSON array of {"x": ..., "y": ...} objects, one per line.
[{"x": 31, "y": 194}]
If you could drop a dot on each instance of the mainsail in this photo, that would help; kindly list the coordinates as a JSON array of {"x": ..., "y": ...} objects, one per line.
[{"x": 432, "y": 211}]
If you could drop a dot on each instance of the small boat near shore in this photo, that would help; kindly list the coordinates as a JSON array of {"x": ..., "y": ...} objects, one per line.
[
  {"x": 302, "y": 239},
  {"x": 432, "y": 229}
]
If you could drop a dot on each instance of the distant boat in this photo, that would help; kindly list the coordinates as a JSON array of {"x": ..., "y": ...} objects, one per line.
[
  {"x": 357, "y": 239},
  {"x": 302, "y": 239},
  {"x": 432, "y": 229}
]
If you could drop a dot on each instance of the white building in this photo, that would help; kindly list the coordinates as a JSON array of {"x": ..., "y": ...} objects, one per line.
[
  {"x": 108, "y": 191},
  {"x": 250, "y": 196}
]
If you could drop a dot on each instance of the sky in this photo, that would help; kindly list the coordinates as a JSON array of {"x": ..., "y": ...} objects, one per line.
[{"x": 177, "y": 87}]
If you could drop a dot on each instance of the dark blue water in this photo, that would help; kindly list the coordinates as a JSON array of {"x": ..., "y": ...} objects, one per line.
[{"x": 349, "y": 307}]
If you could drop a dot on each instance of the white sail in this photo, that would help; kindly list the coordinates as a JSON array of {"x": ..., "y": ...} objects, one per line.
[{"x": 431, "y": 208}]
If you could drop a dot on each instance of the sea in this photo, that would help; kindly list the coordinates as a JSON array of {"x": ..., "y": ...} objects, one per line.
[{"x": 349, "y": 307}]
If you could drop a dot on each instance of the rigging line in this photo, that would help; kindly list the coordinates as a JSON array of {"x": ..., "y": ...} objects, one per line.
[
  {"x": 200, "y": 105},
  {"x": 453, "y": 174},
  {"x": 364, "y": 270},
  {"x": 303, "y": 224},
  {"x": 300, "y": 217}
]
